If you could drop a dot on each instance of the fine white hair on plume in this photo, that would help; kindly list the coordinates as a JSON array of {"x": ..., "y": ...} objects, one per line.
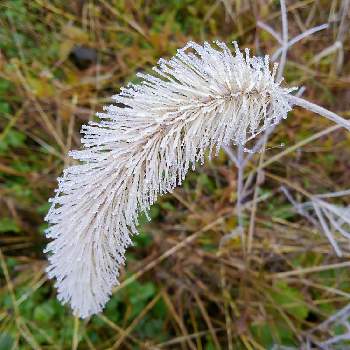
[{"x": 143, "y": 146}]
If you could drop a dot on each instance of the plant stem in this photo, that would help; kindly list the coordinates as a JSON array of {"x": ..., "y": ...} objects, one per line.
[
  {"x": 255, "y": 195},
  {"x": 321, "y": 111},
  {"x": 284, "y": 39},
  {"x": 240, "y": 169},
  {"x": 299, "y": 38}
]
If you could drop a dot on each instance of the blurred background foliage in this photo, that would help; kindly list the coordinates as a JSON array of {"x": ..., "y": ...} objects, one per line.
[{"x": 60, "y": 61}]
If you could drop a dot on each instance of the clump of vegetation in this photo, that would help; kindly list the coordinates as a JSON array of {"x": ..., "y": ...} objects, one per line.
[{"x": 188, "y": 284}]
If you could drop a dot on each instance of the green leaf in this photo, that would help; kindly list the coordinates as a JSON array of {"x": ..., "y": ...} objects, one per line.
[
  {"x": 142, "y": 239},
  {"x": 143, "y": 293},
  {"x": 44, "y": 312},
  {"x": 112, "y": 308},
  {"x": 137, "y": 296},
  {"x": 263, "y": 333},
  {"x": 160, "y": 310},
  {"x": 6, "y": 341},
  {"x": 150, "y": 328},
  {"x": 4, "y": 108},
  {"x": 167, "y": 206},
  {"x": 15, "y": 138},
  {"x": 43, "y": 209},
  {"x": 290, "y": 299},
  {"x": 209, "y": 345},
  {"x": 43, "y": 227},
  {"x": 206, "y": 182},
  {"x": 8, "y": 225},
  {"x": 12, "y": 138},
  {"x": 5, "y": 85}
]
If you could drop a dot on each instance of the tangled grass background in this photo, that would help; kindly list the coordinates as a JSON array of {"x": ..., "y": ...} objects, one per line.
[{"x": 186, "y": 284}]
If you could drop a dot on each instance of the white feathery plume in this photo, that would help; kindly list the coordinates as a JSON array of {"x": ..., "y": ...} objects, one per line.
[{"x": 201, "y": 99}]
